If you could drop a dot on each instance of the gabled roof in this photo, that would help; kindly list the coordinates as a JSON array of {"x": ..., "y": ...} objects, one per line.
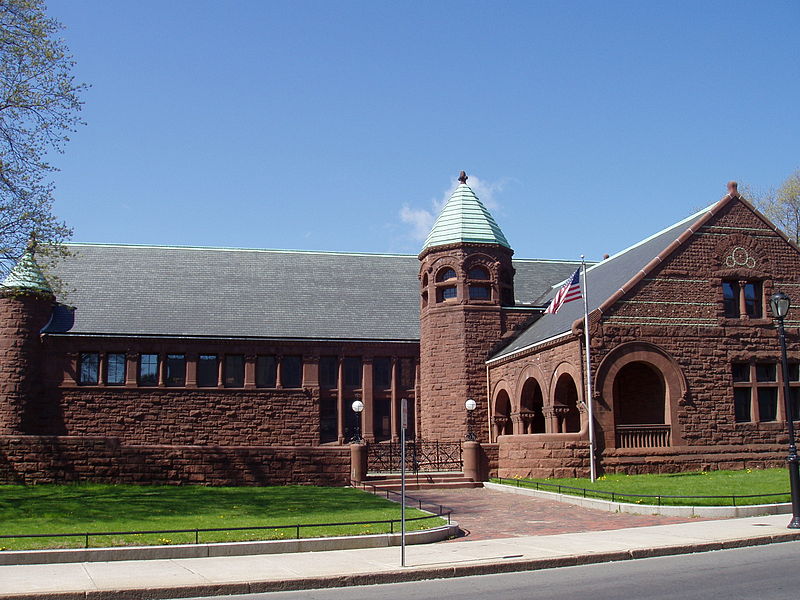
[
  {"x": 464, "y": 219},
  {"x": 26, "y": 275},
  {"x": 218, "y": 292},
  {"x": 606, "y": 279}
]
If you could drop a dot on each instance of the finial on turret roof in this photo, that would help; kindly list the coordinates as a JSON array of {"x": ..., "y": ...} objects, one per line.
[
  {"x": 32, "y": 243},
  {"x": 462, "y": 177},
  {"x": 733, "y": 189}
]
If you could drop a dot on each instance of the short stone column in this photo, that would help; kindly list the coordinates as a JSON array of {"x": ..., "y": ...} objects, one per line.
[
  {"x": 471, "y": 455},
  {"x": 358, "y": 462}
]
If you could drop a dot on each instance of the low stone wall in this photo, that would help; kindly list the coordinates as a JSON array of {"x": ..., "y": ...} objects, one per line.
[
  {"x": 543, "y": 456},
  {"x": 693, "y": 458},
  {"x": 60, "y": 459}
]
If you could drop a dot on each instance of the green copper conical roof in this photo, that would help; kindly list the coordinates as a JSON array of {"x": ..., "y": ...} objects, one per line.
[
  {"x": 26, "y": 275},
  {"x": 465, "y": 219}
]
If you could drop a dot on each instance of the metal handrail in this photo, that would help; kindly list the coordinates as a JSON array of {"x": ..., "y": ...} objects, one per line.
[
  {"x": 197, "y": 531},
  {"x": 615, "y": 495}
]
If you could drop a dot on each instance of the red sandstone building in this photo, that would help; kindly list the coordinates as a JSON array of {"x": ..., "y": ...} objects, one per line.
[{"x": 166, "y": 364}]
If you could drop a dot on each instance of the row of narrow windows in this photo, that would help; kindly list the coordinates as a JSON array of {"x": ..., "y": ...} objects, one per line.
[
  {"x": 228, "y": 370},
  {"x": 756, "y": 389},
  {"x": 446, "y": 288}
]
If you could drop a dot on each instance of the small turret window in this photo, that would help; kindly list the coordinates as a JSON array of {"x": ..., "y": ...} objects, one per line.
[
  {"x": 480, "y": 292},
  {"x": 478, "y": 273},
  {"x": 446, "y": 274}
]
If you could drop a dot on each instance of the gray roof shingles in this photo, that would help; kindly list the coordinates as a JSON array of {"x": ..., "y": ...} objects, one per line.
[
  {"x": 604, "y": 280},
  {"x": 214, "y": 292}
]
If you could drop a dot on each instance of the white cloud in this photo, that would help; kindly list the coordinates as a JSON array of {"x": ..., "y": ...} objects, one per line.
[{"x": 421, "y": 220}]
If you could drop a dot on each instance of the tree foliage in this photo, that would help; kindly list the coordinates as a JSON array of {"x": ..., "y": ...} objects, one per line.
[
  {"x": 782, "y": 205},
  {"x": 39, "y": 108}
]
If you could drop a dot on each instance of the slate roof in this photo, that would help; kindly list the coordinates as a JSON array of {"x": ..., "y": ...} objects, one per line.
[
  {"x": 217, "y": 292},
  {"x": 464, "y": 219},
  {"x": 604, "y": 280}
]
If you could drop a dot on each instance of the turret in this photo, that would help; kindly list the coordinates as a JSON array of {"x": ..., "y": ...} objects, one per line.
[
  {"x": 466, "y": 277},
  {"x": 26, "y": 302}
]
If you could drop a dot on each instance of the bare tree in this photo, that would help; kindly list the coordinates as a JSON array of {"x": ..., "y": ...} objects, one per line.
[
  {"x": 39, "y": 106},
  {"x": 781, "y": 205}
]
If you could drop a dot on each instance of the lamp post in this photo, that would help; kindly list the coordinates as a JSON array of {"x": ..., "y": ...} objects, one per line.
[
  {"x": 779, "y": 304},
  {"x": 470, "y": 405},
  {"x": 357, "y": 406}
]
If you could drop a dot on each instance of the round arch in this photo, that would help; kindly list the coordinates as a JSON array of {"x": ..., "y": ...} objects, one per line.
[
  {"x": 501, "y": 410},
  {"x": 654, "y": 371}
]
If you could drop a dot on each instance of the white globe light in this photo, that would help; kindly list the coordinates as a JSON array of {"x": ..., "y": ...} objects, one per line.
[
  {"x": 358, "y": 406},
  {"x": 470, "y": 404}
]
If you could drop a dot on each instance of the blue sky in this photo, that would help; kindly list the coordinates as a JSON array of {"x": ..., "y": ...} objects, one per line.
[{"x": 584, "y": 126}]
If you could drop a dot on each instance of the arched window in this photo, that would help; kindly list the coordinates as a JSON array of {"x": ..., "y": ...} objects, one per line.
[
  {"x": 445, "y": 274},
  {"x": 478, "y": 273},
  {"x": 446, "y": 292}
]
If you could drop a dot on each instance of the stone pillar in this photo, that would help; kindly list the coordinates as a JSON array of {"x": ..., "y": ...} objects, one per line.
[
  {"x": 132, "y": 369},
  {"x": 250, "y": 371},
  {"x": 367, "y": 423},
  {"x": 471, "y": 454},
  {"x": 550, "y": 419},
  {"x": 395, "y": 422},
  {"x": 340, "y": 401},
  {"x": 191, "y": 370},
  {"x": 358, "y": 462}
]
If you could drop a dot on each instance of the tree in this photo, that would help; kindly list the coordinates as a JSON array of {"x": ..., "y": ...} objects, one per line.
[
  {"x": 39, "y": 106},
  {"x": 781, "y": 206}
]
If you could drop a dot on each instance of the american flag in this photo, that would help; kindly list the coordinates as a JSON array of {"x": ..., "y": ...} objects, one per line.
[{"x": 569, "y": 291}]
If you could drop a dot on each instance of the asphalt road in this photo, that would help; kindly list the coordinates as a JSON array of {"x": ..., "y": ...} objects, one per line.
[{"x": 769, "y": 572}]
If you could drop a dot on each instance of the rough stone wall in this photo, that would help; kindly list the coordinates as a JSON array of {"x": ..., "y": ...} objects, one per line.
[
  {"x": 456, "y": 337},
  {"x": 677, "y": 310},
  {"x": 21, "y": 318},
  {"x": 532, "y": 456},
  {"x": 51, "y": 459}
]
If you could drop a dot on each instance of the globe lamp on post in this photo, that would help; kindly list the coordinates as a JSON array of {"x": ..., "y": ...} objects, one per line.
[
  {"x": 470, "y": 405},
  {"x": 358, "y": 407},
  {"x": 779, "y": 305}
]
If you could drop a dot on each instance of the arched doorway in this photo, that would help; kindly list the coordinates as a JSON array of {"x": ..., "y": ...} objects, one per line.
[
  {"x": 502, "y": 414},
  {"x": 532, "y": 408},
  {"x": 640, "y": 395},
  {"x": 565, "y": 404}
]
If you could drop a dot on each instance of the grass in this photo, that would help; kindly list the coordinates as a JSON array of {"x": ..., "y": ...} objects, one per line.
[
  {"x": 698, "y": 483},
  {"x": 80, "y": 508}
]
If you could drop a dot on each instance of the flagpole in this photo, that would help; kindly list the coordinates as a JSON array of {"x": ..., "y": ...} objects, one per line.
[{"x": 589, "y": 402}]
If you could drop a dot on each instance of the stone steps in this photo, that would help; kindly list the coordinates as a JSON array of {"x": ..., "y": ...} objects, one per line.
[{"x": 422, "y": 481}]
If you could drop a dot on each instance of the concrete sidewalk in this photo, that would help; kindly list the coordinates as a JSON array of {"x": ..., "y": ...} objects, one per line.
[{"x": 135, "y": 580}]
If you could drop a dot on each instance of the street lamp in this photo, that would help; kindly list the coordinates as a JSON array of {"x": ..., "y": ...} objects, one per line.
[
  {"x": 357, "y": 406},
  {"x": 779, "y": 304},
  {"x": 470, "y": 405}
]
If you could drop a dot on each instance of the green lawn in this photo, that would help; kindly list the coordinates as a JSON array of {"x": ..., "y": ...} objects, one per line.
[
  {"x": 97, "y": 508},
  {"x": 699, "y": 483}
]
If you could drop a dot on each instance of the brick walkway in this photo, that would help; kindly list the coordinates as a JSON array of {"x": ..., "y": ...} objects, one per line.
[{"x": 487, "y": 514}]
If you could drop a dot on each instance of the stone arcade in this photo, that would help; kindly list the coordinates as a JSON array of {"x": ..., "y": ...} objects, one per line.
[{"x": 231, "y": 366}]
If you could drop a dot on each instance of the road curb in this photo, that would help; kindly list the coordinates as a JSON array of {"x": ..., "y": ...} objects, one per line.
[{"x": 402, "y": 575}]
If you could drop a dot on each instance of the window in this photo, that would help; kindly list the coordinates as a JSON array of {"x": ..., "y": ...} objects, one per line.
[
  {"x": 266, "y": 371},
  {"x": 89, "y": 368},
  {"x": 478, "y": 273},
  {"x": 446, "y": 275},
  {"x": 382, "y": 372},
  {"x": 352, "y": 371},
  {"x": 406, "y": 373},
  {"x": 743, "y": 297},
  {"x": 757, "y": 387},
  {"x": 207, "y": 370},
  {"x": 291, "y": 371},
  {"x": 480, "y": 292},
  {"x": 446, "y": 292},
  {"x": 176, "y": 370},
  {"x": 148, "y": 369},
  {"x": 115, "y": 369},
  {"x": 328, "y": 371},
  {"x": 234, "y": 370}
]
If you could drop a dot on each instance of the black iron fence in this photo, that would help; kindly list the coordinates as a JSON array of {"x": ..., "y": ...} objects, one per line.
[
  {"x": 421, "y": 456},
  {"x": 656, "y": 499},
  {"x": 295, "y": 529}
]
